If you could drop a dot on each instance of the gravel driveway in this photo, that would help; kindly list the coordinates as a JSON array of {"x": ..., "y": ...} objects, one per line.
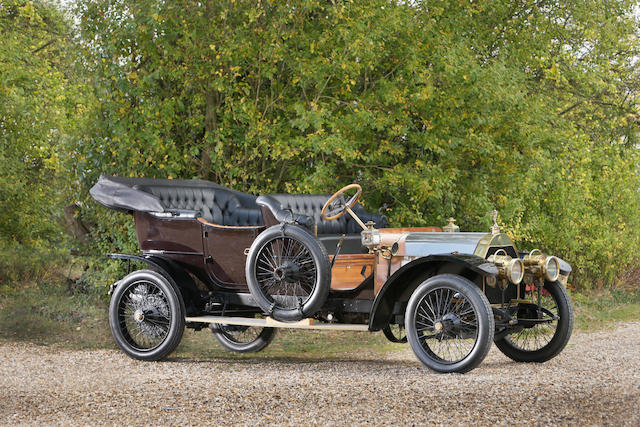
[{"x": 596, "y": 380}]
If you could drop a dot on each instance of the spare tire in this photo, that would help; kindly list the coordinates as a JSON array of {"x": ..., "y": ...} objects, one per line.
[{"x": 288, "y": 272}]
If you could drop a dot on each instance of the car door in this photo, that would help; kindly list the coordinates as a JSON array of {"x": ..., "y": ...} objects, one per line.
[{"x": 224, "y": 251}]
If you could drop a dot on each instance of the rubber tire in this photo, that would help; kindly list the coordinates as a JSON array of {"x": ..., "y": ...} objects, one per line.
[
  {"x": 560, "y": 338},
  {"x": 176, "y": 328},
  {"x": 323, "y": 267},
  {"x": 486, "y": 323},
  {"x": 264, "y": 339}
]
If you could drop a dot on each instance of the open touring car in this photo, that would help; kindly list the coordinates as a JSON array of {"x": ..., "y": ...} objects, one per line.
[{"x": 246, "y": 265}]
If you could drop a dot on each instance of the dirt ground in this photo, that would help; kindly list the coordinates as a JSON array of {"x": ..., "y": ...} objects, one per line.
[{"x": 595, "y": 381}]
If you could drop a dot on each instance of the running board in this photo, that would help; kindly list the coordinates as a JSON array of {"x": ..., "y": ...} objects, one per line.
[{"x": 271, "y": 323}]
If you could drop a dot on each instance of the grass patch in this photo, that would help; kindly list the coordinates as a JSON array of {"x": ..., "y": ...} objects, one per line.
[
  {"x": 53, "y": 314},
  {"x": 602, "y": 309}
]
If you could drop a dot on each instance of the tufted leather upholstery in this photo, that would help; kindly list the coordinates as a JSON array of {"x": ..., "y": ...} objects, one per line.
[
  {"x": 216, "y": 205},
  {"x": 224, "y": 206},
  {"x": 311, "y": 205}
]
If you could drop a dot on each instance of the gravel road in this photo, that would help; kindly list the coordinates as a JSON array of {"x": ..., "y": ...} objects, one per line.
[{"x": 595, "y": 381}]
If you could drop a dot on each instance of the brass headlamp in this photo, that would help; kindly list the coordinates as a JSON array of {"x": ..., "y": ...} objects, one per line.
[
  {"x": 511, "y": 269},
  {"x": 541, "y": 265}
]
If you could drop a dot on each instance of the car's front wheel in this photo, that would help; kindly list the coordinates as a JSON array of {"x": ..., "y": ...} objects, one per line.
[
  {"x": 146, "y": 315},
  {"x": 449, "y": 324}
]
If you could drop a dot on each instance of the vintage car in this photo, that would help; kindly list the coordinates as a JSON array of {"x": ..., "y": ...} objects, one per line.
[{"x": 246, "y": 265}]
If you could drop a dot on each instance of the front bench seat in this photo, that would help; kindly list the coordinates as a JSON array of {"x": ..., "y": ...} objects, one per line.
[
  {"x": 281, "y": 214},
  {"x": 310, "y": 205}
]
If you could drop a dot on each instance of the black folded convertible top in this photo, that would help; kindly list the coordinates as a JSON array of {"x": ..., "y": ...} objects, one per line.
[{"x": 123, "y": 194}]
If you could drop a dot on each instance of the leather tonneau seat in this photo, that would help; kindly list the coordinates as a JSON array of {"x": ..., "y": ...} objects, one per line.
[{"x": 215, "y": 205}]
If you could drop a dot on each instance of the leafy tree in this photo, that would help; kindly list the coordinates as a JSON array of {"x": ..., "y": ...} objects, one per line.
[
  {"x": 36, "y": 103},
  {"x": 439, "y": 108}
]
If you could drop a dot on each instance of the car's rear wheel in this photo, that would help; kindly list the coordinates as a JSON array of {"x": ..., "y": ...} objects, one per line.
[
  {"x": 395, "y": 333},
  {"x": 541, "y": 341},
  {"x": 243, "y": 339},
  {"x": 146, "y": 315},
  {"x": 449, "y": 324}
]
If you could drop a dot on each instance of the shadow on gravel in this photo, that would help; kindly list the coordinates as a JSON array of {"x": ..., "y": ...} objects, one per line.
[{"x": 282, "y": 360}]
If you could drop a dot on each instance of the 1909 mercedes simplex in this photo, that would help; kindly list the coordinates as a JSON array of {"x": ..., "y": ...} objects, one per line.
[{"x": 245, "y": 265}]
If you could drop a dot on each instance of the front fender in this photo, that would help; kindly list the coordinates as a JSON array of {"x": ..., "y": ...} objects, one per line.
[{"x": 400, "y": 286}]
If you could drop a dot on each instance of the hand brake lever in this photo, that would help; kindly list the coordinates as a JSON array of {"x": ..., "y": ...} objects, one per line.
[{"x": 338, "y": 247}]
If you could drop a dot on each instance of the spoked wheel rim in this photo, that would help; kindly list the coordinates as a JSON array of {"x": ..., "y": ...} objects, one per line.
[
  {"x": 144, "y": 315},
  {"x": 540, "y": 335},
  {"x": 447, "y": 325},
  {"x": 286, "y": 272},
  {"x": 240, "y": 334}
]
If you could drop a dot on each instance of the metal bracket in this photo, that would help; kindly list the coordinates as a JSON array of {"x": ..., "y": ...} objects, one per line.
[{"x": 113, "y": 287}]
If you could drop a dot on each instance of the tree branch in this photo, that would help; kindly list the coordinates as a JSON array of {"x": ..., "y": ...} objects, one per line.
[{"x": 50, "y": 42}]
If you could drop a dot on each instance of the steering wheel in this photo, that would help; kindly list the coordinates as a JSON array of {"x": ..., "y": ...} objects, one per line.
[{"x": 342, "y": 208}]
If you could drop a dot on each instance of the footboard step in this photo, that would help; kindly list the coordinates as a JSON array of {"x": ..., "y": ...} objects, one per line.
[{"x": 272, "y": 323}]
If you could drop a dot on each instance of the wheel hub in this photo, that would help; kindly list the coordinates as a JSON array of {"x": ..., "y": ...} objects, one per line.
[
  {"x": 448, "y": 323},
  {"x": 286, "y": 272},
  {"x": 138, "y": 315}
]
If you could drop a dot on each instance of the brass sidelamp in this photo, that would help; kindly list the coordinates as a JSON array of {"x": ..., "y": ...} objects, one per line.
[
  {"x": 542, "y": 266},
  {"x": 511, "y": 269}
]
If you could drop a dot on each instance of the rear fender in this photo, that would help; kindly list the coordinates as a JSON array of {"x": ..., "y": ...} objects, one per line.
[
  {"x": 405, "y": 280},
  {"x": 174, "y": 273}
]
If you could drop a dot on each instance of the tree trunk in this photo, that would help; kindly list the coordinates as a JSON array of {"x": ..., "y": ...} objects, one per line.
[{"x": 73, "y": 224}]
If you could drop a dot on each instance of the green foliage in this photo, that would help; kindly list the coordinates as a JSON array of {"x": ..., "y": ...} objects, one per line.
[
  {"x": 20, "y": 264},
  {"x": 438, "y": 108},
  {"x": 50, "y": 313},
  {"x": 37, "y": 98}
]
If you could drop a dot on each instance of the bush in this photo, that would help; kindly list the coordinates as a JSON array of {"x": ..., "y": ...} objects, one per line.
[{"x": 20, "y": 265}]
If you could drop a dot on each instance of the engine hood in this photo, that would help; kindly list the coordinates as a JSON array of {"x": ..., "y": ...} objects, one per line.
[{"x": 419, "y": 244}]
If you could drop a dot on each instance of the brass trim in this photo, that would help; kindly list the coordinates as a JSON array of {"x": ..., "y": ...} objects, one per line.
[
  {"x": 495, "y": 228},
  {"x": 355, "y": 217},
  {"x": 538, "y": 265},
  {"x": 489, "y": 240},
  {"x": 520, "y": 301},
  {"x": 236, "y": 227}
]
